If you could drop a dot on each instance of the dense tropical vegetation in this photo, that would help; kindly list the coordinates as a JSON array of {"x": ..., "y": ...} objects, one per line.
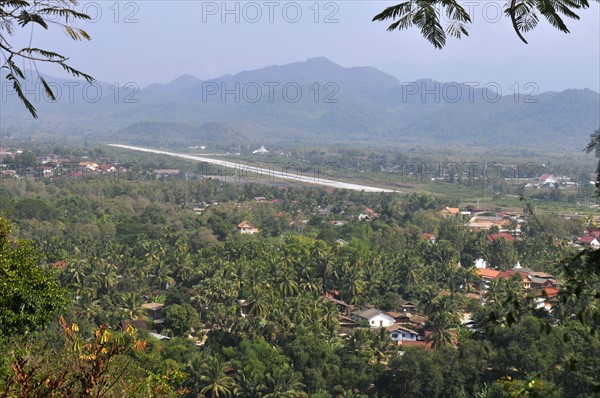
[{"x": 249, "y": 315}]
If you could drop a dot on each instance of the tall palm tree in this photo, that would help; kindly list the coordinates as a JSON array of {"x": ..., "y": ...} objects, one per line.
[
  {"x": 162, "y": 275},
  {"x": 130, "y": 305},
  {"x": 214, "y": 380},
  {"x": 283, "y": 382},
  {"x": 324, "y": 266},
  {"x": 105, "y": 274},
  {"x": 352, "y": 284},
  {"x": 88, "y": 307},
  {"x": 287, "y": 285},
  {"x": 250, "y": 384},
  {"x": 261, "y": 303},
  {"x": 77, "y": 271},
  {"x": 359, "y": 343},
  {"x": 443, "y": 329}
]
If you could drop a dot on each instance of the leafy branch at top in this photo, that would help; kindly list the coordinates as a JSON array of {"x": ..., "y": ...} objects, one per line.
[
  {"x": 20, "y": 14},
  {"x": 428, "y": 16}
]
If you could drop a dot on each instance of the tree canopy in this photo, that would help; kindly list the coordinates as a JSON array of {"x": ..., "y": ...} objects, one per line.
[
  {"x": 438, "y": 19},
  {"x": 17, "y": 15},
  {"x": 31, "y": 296}
]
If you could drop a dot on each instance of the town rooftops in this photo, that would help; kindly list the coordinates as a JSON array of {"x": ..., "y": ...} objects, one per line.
[
  {"x": 510, "y": 274},
  {"x": 368, "y": 313},
  {"x": 488, "y": 273},
  {"x": 587, "y": 240},
  {"x": 501, "y": 235},
  {"x": 543, "y": 275},
  {"x": 451, "y": 210},
  {"x": 549, "y": 291},
  {"x": 396, "y": 326}
]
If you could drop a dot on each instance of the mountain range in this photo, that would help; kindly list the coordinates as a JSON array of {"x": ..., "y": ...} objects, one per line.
[{"x": 315, "y": 101}]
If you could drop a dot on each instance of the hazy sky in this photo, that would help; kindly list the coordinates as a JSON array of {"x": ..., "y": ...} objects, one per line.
[{"x": 157, "y": 41}]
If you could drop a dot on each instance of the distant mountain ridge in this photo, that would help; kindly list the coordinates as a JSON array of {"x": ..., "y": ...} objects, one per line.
[{"x": 310, "y": 102}]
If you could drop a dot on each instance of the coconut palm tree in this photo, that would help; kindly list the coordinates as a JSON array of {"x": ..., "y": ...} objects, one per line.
[
  {"x": 104, "y": 274},
  {"x": 261, "y": 303},
  {"x": 130, "y": 305},
  {"x": 250, "y": 384},
  {"x": 287, "y": 285},
  {"x": 77, "y": 271},
  {"x": 443, "y": 324},
  {"x": 283, "y": 382},
  {"x": 214, "y": 380},
  {"x": 162, "y": 275}
]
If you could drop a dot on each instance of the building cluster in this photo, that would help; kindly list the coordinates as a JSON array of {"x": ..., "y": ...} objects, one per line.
[
  {"x": 54, "y": 166},
  {"x": 544, "y": 285},
  {"x": 405, "y": 325}
]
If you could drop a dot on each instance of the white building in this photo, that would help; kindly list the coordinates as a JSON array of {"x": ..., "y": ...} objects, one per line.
[
  {"x": 374, "y": 317},
  {"x": 260, "y": 150},
  {"x": 400, "y": 333}
]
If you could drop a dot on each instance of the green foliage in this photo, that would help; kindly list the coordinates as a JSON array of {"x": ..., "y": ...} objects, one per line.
[
  {"x": 31, "y": 296},
  {"x": 181, "y": 318},
  {"x": 426, "y": 15},
  {"x": 261, "y": 299},
  {"x": 43, "y": 13}
]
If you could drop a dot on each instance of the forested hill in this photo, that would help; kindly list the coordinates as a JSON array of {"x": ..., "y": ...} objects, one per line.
[{"x": 314, "y": 100}]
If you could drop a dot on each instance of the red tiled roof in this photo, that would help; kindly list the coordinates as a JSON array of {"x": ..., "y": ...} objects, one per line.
[
  {"x": 394, "y": 314},
  {"x": 586, "y": 239},
  {"x": 511, "y": 273},
  {"x": 550, "y": 291},
  {"x": 452, "y": 210},
  {"x": 419, "y": 344},
  {"x": 487, "y": 273},
  {"x": 245, "y": 224},
  {"x": 500, "y": 235}
]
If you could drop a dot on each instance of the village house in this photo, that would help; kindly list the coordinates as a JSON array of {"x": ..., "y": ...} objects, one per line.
[
  {"x": 373, "y": 214},
  {"x": 449, "y": 211},
  {"x": 541, "y": 280},
  {"x": 428, "y": 237},
  {"x": 92, "y": 166},
  {"x": 487, "y": 275},
  {"x": 374, "y": 318},
  {"x": 546, "y": 298},
  {"x": 346, "y": 325},
  {"x": 9, "y": 173},
  {"x": 107, "y": 168},
  {"x": 408, "y": 306},
  {"x": 547, "y": 179},
  {"x": 364, "y": 217},
  {"x": 480, "y": 223},
  {"x": 407, "y": 318},
  {"x": 343, "y": 307},
  {"x": 588, "y": 240},
  {"x": 510, "y": 274},
  {"x": 401, "y": 333},
  {"x": 530, "y": 279},
  {"x": 501, "y": 235},
  {"x": 260, "y": 151},
  {"x": 246, "y": 228},
  {"x": 154, "y": 311}
]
